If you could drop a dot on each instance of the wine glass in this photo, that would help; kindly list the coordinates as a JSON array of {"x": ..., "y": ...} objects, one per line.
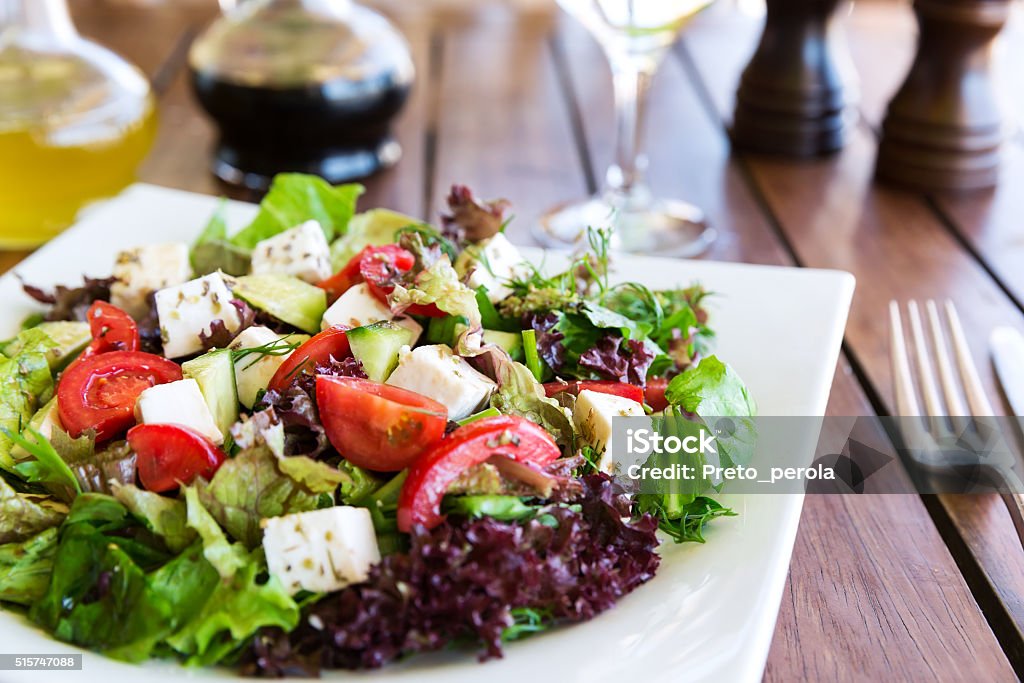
[{"x": 635, "y": 35}]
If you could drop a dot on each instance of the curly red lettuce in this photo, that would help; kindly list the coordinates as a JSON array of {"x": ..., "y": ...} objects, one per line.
[{"x": 470, "y": 582}]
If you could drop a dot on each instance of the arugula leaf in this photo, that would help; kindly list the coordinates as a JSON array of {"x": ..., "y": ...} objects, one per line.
[
  {"x": 26, "y": 567},
  {"x": 295, "y": 198},
  {"x": 686, "y": 525}
]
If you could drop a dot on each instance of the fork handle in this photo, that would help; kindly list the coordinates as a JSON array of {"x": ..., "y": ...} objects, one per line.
[
  {"x": 1015, "y": 506},
  {"x": 1013, "y": 498}
]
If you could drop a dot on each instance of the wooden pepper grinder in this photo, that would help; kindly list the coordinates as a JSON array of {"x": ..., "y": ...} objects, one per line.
[
  {"x": 792, "y": 98},
  {"x": 943, "y": 129}
]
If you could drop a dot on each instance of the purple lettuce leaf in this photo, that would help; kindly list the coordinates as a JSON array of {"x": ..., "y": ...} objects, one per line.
[{"x": 463, "y": 581}]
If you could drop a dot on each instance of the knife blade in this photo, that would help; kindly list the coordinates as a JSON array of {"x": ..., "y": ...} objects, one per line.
[{"x": 1007, "y": 345}]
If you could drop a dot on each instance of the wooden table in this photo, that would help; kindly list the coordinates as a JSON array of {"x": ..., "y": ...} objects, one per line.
[{"x": 518, "y": 103}]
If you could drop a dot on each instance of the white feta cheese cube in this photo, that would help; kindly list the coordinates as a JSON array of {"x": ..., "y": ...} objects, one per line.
[
  {"x": 253, "y": 372},
  {"x": 358, "y": 307},
  {"x": 592, "y": 417},
  {"x": 140, "y": 271},
  {"x": 436, "y": 372},
  {"x": 301, "y": 252},
  {"x": 178, "y": 403},
  {"x": 190, "y": 308},
  {"x": 321, "y": 551},
  {"x": 493, "y": 263}
]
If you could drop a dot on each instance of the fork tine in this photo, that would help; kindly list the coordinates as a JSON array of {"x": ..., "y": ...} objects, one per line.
[
  {"x": 976, "y": 399},
  {"x": 926, "y": 375},
  {"x": 954, "y": 401},
  {"x": 903, "y": 385}
]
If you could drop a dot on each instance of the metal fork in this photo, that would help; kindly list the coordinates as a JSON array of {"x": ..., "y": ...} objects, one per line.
[{"x": 955, "y": 387}]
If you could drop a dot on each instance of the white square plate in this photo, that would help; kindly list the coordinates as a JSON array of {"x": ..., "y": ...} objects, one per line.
[{"x": 710, "y": 612}]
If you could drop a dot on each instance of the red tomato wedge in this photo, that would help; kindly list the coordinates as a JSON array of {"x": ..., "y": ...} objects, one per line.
[
  {"x": 432, "y": 474},
  {"x": 654, "y": 393},
  {"x": 377, "y": 426},
  {"x": 630, "y": 391},
  {"x": 112, "y": 330},
  {"x": 170, "y": 455},
  {"x": 347, "y": 277},
  {"x": 331, "y": 343},
  {"x": 99, "y": 392}
]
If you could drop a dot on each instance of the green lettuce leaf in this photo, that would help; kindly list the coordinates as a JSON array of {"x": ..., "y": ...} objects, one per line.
[
  {"x": 240, "y": 605},
  {"x": 440, "y": 285},
  {"x": 25, "y": 568},
  {"x": 519, "y": 393},
  {"x": 165, "y": 517},
  {"x": 711, "y": 389},
  {"x": 213, "y": 251},
  {"x": 296, "y": 198},
  {"x": 25, "y": 384},
  {"x": 114, "y": 588},
  {"x": 252, "y": 486},
  {"x": 23, "y": 515},
  {"x": 233, "y": 613}
]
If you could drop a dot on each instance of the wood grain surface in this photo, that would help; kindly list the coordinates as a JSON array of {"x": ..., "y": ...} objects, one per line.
[{"x": 517, "y": 103}]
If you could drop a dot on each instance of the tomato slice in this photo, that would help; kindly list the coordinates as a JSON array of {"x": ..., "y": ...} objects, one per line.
[
  {"x": 99, "y": 392},
  {"x": 377, "y": 426},
  {"x": 170, "y": 455},
  {"x": 630, "y": 391},
  {"x": 112, "y": 330},
  {"x": 347, "y": 277},
  {"x": 432, "y": 474},
  {"x": 331, "y": 343},
  {"x": 654, "y": 393}
]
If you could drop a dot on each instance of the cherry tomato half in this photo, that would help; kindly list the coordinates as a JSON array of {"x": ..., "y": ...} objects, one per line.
[
  {"x": 432, "y": 474},
  {"x": 377, "y": 426},
  {"x": 331, "y": 343},
  {"x": 630, "y": 391},
  {"x": 170, "y": 455},
  {"x": 112, "y": 329},
  {"x": 99, "y": 392},
  {"x": 380, "y": 267},
  {"x": 347, "y": 277},
  {"x": 654, "y": 393}
]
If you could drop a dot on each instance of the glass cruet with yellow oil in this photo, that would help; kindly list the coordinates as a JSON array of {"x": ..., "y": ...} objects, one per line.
[{"x": 75, "y": 121}]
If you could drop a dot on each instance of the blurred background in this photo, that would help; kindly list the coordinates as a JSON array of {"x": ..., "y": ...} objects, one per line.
[{"x": 432, "y": 85}]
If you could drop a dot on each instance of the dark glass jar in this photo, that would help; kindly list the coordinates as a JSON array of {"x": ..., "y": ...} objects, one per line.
[{"x": 307, "y": 86}]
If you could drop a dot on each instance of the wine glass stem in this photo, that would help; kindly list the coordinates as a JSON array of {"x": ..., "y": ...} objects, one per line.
[{"x": 630, "y": 81}]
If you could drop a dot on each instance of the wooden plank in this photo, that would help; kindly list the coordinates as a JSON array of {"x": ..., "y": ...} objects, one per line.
[
  {"x": 856, "y": 589},
  {"x": 503, "y": 126}
]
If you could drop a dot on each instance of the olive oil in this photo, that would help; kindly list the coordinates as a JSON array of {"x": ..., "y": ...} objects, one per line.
[{"x": 73, "y": 129}]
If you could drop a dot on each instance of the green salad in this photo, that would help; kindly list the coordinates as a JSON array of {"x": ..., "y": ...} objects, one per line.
[{"x": 334, "y": 439}]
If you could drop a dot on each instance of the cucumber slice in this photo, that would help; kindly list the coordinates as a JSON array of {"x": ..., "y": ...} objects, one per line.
[
  {"x": 512, "y": 342},
  {"x": 376, "y": 346},
  {"x": 287, "y": 298},
  {"x": 69, "y": 338},
  {"x": 215, "y": 374}
]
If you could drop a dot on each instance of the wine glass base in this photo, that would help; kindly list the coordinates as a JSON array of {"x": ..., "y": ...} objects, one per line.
[{"x": 662, "y": 227}]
